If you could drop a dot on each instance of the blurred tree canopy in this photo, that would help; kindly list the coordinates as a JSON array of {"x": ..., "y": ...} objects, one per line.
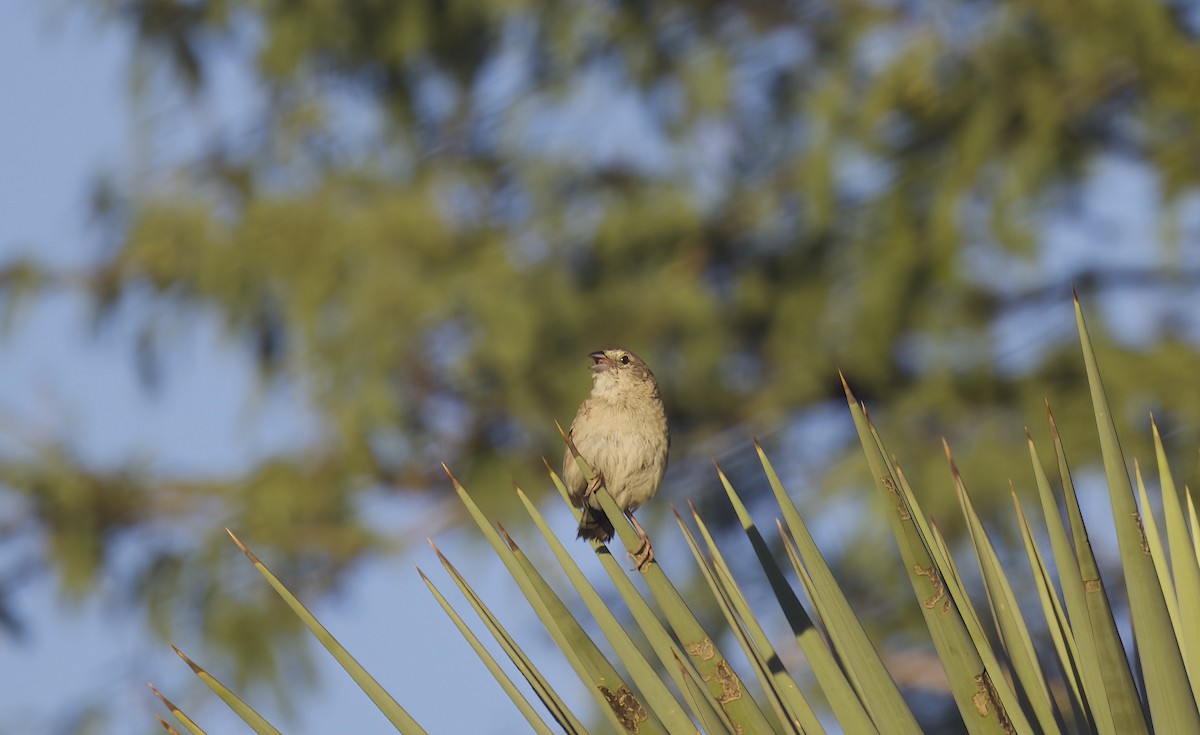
[{"x": 436, "y": 208}]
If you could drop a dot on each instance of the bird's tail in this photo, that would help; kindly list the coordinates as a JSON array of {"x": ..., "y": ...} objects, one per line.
[{"x": 594, "y": 524}]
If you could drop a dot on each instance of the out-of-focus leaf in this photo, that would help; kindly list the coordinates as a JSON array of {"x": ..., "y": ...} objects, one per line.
[
  {"x": 1185, "y": 567},
  {"x": 378, "y": 695},
  {"x": 186, "y": 721},
  {"x": 510, "y": 689},
  {"x": 1173, "y": 709},
  {"x": 239, "y": 707}
]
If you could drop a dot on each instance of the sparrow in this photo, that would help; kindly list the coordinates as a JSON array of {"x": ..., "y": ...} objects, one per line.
[{"x": 621, "y": 431}]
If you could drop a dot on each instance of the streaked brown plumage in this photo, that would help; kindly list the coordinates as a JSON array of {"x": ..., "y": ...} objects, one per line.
[{"x": 621, "y": 430}]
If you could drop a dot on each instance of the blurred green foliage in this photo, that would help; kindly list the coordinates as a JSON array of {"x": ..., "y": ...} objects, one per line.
[{"x": 438, "y": 207}]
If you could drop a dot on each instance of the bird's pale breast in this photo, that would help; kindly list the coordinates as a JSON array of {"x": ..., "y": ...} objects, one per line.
[{"x": 627, "y": 444}]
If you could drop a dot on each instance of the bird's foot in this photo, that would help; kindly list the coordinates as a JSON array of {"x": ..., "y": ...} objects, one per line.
[
  {"x": 595, "y": 483},
  {"x": 644, "y": 553},
  {"x": 642, "y": 556}
]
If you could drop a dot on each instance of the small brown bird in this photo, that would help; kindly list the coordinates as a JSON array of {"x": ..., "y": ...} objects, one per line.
[{"x": 621, "y": 430}]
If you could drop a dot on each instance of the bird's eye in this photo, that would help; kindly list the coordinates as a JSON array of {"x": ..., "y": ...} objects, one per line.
[{"x": 624, "y": 359}]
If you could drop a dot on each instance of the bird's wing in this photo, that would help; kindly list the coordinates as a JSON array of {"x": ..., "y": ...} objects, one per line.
[{"x": 573, "y": 477}]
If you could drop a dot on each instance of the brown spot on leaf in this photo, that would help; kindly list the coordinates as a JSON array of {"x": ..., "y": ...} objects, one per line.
[
  {"x": 703, "y": 650},
  {"x": 626, "y": 706},
  {"x": 939, "y": 587},
  {"x": 1137, "y": 518},
  {"x": 901, "y": 509},
  {"x": 986, "y": 700},
  {"x": 731, "y": 688}
]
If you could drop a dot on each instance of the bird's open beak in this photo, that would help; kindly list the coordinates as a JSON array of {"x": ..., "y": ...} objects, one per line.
[{"x": 600, "y": 361}]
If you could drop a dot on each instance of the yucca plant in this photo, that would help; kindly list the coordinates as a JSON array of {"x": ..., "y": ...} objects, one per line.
[{"x": 999, "y": 680}]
